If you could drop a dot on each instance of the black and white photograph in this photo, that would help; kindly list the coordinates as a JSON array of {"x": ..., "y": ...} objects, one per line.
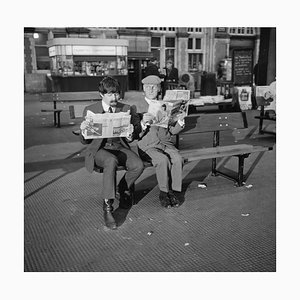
[
  {"x": 196, "y": 195},
  {"x": 148, "y": 157}
]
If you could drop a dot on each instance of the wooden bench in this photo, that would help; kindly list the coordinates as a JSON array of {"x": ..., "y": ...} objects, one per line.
[
  {"x": 66, "y": 97},
  {"x": 215, "y": 124},
  {"x": 262, "y": 103}
]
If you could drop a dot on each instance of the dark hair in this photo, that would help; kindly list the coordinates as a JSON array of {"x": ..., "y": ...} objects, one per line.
[
  {"x": 109, "y": 85},
  {"x": 153, "y": 59}
]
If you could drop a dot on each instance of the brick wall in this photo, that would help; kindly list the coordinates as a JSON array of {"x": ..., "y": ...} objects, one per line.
[{"x": 35, "y": 83}]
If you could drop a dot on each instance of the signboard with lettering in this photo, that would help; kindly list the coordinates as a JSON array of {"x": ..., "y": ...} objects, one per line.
[{"x": 242, "y": 66}]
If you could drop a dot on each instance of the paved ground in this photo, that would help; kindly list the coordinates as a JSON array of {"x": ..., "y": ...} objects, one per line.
[{"x": 220, "y": 228}]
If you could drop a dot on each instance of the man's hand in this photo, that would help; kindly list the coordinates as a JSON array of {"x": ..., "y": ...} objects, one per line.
[
  {"x": 129, "y": 133},
  {"x": 86, "y": 123},
  {"x": 147, "y": 119},
  {"x": 182, "y": 116}
]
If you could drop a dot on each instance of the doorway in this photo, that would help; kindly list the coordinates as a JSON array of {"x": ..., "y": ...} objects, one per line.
[
  {"x": 133, "y": 74},
  {"x": 136, "y": 72}
]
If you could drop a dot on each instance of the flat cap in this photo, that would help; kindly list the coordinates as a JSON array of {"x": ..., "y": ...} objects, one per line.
[{"x": 151, "y": 79}]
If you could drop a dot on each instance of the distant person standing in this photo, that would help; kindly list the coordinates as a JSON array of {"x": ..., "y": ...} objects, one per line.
[
  {"x": 152, "y": 68},
  {"x": 171, "y": 75},
  {"x": 171, "y": 72}
]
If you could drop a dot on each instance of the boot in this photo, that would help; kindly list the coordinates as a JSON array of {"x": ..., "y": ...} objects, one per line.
[
  {"x": 173, "y": 198},
  {"x": 107, "y": 214},
  {"x": 164, "y": 199},
  {"x": 126, "y": 200},
  {"x": 126, "y": 194}
]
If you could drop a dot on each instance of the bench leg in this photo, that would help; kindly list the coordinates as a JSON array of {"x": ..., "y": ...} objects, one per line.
[
  {"x": 262, "y": 112},
  {"x": 216, "y": 142},
  {"x": 58, "y": 119},
  {"x": 213, "y": 167},
  {"x": 55, "y": 122},
  {"x": 240, "y": 181}
]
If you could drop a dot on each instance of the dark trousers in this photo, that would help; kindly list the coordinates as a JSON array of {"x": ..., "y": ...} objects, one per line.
[{"x": 109, "y": 161}]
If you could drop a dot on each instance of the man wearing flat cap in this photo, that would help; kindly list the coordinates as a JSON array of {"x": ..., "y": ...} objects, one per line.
[{"x": 155, "y": 145}]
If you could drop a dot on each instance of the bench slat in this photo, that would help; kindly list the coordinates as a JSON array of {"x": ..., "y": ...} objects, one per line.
[
  {"x": 221, "y": 151},
  {"x": 214, "y": 122},
  {"x": 47, "y": 97},
  {"x": 265, "y": 118},
  {"x": 70, "y": 96}
]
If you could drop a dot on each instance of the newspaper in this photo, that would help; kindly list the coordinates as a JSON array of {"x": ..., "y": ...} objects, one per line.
[
  {"x": 243, "y": 95},
  {"x": 177, "y": 95},
  {"x": 167, "y": 111},
  {"x": 205, "y": 100},
  {"x": 107, "y": 125},
  {"x": 268, "y": 92}
]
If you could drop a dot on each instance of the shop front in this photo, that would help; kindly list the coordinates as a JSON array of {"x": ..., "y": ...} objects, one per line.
[{"x": 79, "y": 64}]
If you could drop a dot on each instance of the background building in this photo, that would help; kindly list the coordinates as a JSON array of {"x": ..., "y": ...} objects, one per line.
[{"x": 194, "y": 50}]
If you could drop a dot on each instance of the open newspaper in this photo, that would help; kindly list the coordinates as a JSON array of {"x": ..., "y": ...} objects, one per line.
[
  {"x": 166, "y": 112},
  {"x": 107, "y": 125}
]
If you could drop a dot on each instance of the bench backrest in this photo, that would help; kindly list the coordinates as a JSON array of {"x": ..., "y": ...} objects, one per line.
[
  {"x": 70, "y": 96},
  {"x": 214, "y": 122}
]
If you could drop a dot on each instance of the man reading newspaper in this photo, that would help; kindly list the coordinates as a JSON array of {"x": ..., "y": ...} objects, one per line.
[
  {"x": 164, "y": 120},
  {"x": 112, "y": 148}
]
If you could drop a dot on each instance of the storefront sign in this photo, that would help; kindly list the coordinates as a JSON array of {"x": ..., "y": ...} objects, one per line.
[
  {"x": 52, "y": 51},
  {"x": 221, "y": 29},
  {"x": 94, "y": 50},
  {"x": 242, "y": 66}
]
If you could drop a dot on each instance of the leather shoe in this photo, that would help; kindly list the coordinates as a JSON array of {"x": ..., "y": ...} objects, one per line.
[
  {"x": 126, "y": 200},
  {"x": 173, "y": 198},
  {"x": 164, "y": 199},
  {"x": 107, "y": 214}
]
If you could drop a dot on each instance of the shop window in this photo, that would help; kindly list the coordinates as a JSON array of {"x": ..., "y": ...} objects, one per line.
[
  {"x": 67, "y": 65},
  {"x": 170, "y": 54},
  {"x": 190, "y": 43},
  {"x": 41, "y": 52},
  {"x": 170, "y": 42},
  {"x": 194, "y": 60},
  {"x": 198, "y": 43},
  {"x": 43, "y": 65},
  {"x": 156, "y": 53},
  {"x": 155, "y": 41}
]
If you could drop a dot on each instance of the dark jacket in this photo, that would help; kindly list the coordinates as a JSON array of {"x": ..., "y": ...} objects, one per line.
[
  {"x": 151, "y": 69},
  {"x": 172, "y": 75},
  {"x": 96, "y": 144}
]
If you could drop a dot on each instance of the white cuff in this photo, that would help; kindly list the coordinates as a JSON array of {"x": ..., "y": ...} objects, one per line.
[
  {"x": 144, "y": 127},
  {"x": 181, "y": 123}
]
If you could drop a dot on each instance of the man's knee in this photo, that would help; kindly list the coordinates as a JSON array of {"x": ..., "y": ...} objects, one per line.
[
  {"x": 161, "y": 160},
  {"x": 136, "y": 165},
  {"x": 176, "y": 158},
  {"x": 110, "y": 162}
]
